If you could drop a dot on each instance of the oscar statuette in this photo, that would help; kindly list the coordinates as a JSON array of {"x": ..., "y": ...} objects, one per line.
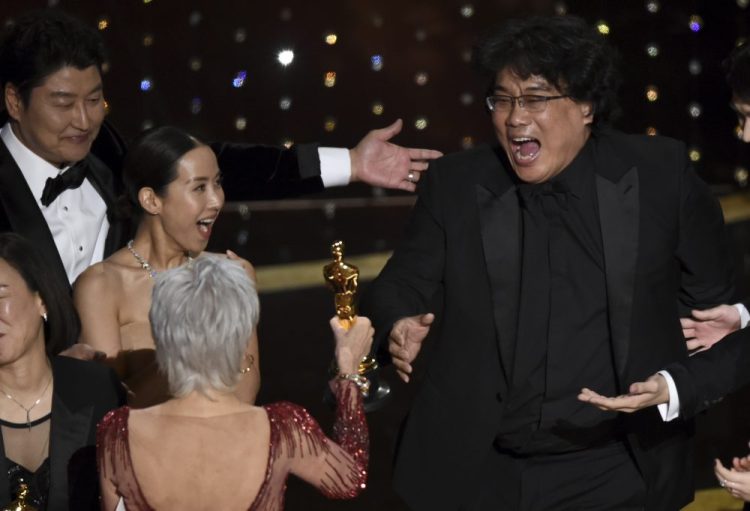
[
  {"x": 341, "y": 277},
  {"x": 20, "y": 503}
]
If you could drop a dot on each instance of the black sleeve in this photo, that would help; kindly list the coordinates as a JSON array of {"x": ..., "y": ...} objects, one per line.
[
  {"x": 414, "y": 273},
  {"x": 707, "y": 278},
  {"x": 257, "y": 172},
  {"x": 706, "y": 377}
]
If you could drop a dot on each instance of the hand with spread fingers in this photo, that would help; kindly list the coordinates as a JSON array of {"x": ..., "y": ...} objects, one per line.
[
  {"x": 737, "y": 483},
  {"x": 378, "y": 162},
  {"x": 642, "y": 394},
  {"x": 405, "y": 341},
  {"x": 707, "y": 327}
]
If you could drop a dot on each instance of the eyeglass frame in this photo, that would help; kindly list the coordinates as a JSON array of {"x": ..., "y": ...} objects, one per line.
[{"x": 521, "y": 102}]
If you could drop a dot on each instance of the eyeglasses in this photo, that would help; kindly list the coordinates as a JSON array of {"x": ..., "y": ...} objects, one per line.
[{"x": 529, "y": 102}]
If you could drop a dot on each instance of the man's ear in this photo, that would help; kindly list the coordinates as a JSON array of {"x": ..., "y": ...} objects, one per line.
[
  {"x": 587, "y": 109},
  {"x": 13, "y": 101},
  {"x": 149, "y": 201}
]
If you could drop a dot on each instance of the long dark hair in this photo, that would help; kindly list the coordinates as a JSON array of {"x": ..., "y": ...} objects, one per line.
[{"x": 62, "y": 327}]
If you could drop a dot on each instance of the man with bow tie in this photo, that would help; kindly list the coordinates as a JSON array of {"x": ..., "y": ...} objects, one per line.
[
  {"x": 60, "y": 196},
  {"x": 563, "y": 256}
]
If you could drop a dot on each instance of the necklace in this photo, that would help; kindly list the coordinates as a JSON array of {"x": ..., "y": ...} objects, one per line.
[
  {"x": 145, "y": 264},
  {"x": 28, "y": 410}
]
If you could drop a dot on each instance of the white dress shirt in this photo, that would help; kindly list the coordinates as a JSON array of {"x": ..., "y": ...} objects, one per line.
[
  {"x": 77, "y": 218},
  {"x": 335, "y": 166}
]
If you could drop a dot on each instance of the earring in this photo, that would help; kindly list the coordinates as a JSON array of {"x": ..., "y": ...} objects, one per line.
[{"x": 44, "y": 316}]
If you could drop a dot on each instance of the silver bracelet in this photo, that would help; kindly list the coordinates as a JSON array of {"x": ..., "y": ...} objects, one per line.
[{"x": 361, "y": 381}]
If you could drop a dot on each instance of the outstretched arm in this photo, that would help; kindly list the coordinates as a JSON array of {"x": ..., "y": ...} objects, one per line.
[
  {"x": 379, "y": 162},
  {"x": 338, "y": 467}
]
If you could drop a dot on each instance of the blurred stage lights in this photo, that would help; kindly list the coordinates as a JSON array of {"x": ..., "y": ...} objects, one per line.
[
  {"x": 603, "y": 27},
  {"x": 652, "y": 93},
  {"x": 696, "y": 23},
  {"x": 285, "y": 57},
  {"x": 239, "y": 79}
]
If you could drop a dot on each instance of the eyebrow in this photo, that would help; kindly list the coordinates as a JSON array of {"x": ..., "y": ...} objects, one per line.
[
  {"x": 66, "y": 94},
  {"x": 531, "y": 88}
]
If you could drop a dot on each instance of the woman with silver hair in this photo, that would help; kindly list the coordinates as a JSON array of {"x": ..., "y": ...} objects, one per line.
[{"x": 220, "y": 452}]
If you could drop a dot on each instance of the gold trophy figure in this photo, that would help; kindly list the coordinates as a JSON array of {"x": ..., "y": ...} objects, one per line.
[
  {"x": 342, "y": 279},
  {"x": 20, "y": 503}
]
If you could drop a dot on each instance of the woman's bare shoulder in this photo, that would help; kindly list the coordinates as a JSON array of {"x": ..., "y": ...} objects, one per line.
[{"x": 104, "y": 275}]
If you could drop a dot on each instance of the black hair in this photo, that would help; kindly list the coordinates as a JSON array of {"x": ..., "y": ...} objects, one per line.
[
  {"x": 564, "y": 50},
  {"x": 62, "y": 327},
  {"x": 737, "y": 69},
  {"x": 152, "y": 160},
  {"x": 41, "y": 43}
]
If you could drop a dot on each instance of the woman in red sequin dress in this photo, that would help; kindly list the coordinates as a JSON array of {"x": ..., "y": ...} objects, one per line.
[{"x": 206, "y": 449}]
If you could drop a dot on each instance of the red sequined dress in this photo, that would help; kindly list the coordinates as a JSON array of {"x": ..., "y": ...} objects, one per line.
[{"x": 337, "y": 467}]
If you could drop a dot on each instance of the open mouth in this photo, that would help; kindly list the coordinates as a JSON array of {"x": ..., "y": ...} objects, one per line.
[
  {"x": 525, "y": 149},
  {"x": 205, "y": 225}
]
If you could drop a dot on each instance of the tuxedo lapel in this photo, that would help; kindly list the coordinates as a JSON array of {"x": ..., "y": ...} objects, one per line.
[
  {"x": 70, "y": 429},
  {"x": 619, "y": 216},
  {"x": 23, "y": 214},
  {"x": 102, "y": 179},
  {"x": 500, "y": 228}
]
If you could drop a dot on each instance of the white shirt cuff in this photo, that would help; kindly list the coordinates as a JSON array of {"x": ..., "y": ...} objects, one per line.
[
  {"x": 744, "y": 315},
  {"x": 670, "y": 410},
  {"x": 335, "y": 166}
]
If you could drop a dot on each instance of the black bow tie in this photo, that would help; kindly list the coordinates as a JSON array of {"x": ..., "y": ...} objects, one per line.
[
  {"x": 532, "y": 193},
  {"x": 70, "y": 179}
]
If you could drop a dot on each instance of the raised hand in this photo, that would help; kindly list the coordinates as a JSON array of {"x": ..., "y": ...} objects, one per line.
[
  {"x": 709, "y": 326},
  {"x": 353, "y": 344},
  {"x": 642, "y": 394},
  {"x": 405, "y": 341},
  {"x": 378, "y": 162}
]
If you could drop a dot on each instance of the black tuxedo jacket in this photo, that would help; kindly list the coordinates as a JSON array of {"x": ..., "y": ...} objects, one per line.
[
  {"x": 83, "y": 393},
  {"x": 250, "y": 172},
  {"x": 664, "y": 248}
]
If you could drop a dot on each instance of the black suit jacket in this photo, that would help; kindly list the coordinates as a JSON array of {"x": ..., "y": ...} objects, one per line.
[
  {"x": 663, "y": 245},
  {"x": 250, "y": 172},
  {"x": 83, "y": 393}
]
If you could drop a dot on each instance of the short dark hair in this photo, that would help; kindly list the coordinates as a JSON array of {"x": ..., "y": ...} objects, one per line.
[
  {"x": 737, "y": 69},
  {"x": 41, "y": 43},
  {"x": 564, "y": 50},
  {"x": 62, "y": 327},
  {"x": 152, "y": 160}
]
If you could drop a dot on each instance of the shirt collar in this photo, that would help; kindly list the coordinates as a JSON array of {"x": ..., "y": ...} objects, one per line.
[
  {"x": 35, "y": 169},
  {"x": 577, "y": 175}
]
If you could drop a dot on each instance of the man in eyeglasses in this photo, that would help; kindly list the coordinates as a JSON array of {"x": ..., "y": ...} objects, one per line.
[{"x": 561, "y": 258}]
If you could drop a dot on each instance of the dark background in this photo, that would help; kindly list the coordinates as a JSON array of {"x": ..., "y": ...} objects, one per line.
[{"x": 192, "y": 50}]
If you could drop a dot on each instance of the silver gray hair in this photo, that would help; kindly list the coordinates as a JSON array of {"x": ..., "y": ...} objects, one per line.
[{"x": 202, "y": 315}]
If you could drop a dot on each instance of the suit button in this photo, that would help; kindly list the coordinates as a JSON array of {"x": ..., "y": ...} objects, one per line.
[{"x": 499, "y": 397}]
